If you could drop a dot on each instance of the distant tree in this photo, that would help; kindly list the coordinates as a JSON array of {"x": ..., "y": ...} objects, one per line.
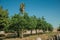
[
  {"x": 3, "y": 18},
  {"x": 49, "y": 27},
  {"x": 46, "y": 26},
  {"x": 22, "y": 6},
  {"x": 39, "y": 25},
  {"x": 31, "y": 23},
  {"x": 35, "y": 23},
  {"x": 43, "y": 24}
]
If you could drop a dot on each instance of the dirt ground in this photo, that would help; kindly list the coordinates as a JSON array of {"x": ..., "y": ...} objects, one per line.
[{"x": 33, "y": 37}]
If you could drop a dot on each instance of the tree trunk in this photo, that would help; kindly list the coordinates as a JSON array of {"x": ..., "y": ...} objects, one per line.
[
  {"x": 47, "y": 29},
  {"x": 18, "y": 34},
  {"x": 44, "y": 31},
  {"x": 21, "y": 33},
  {"x": 36, "y": 31},
  {"x": 31, "y": 32}
]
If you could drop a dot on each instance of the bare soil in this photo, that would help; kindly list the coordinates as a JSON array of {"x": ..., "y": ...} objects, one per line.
[{"x": 33, "y": 37}]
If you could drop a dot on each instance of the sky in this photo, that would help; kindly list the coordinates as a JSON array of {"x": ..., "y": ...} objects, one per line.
[{"x": 50, "y": 9}]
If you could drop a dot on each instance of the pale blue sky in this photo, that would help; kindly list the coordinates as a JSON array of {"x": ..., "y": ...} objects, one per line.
[{"x": 50, "y": 9}]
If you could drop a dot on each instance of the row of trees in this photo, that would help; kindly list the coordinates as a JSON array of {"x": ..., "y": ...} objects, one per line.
[{"x": 19, "y": 23}]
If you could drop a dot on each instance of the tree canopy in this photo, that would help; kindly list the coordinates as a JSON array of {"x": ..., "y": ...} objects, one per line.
[{"x": 20, "y": 23}]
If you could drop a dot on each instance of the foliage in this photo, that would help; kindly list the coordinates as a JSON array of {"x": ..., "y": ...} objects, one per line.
[
  {"x": 20, "y": 23},
  {"x": 3, "y": 18}
]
